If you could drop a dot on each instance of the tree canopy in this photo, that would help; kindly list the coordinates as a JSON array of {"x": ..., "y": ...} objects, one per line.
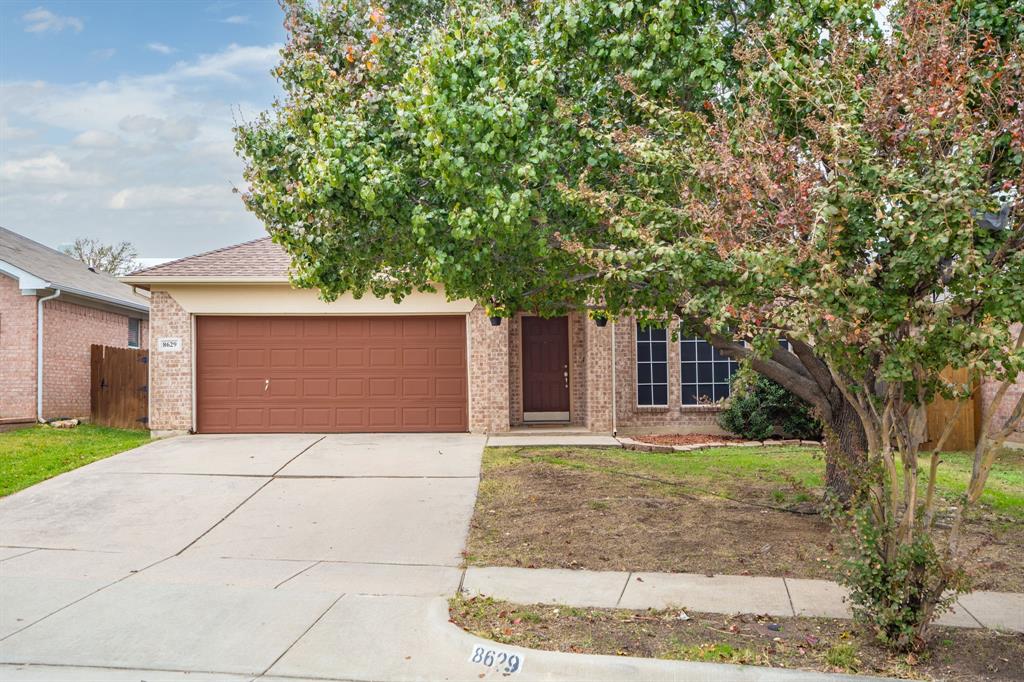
[{"x": 756, "y": 170}]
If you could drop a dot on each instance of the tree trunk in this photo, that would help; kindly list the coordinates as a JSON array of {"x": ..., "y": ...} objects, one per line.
[{"x": 845, "y": 452}]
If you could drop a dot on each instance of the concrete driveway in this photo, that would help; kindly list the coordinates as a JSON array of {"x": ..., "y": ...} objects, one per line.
[
  {"x": 263, "y": 557},
  {"x": 218, "y": 553}
]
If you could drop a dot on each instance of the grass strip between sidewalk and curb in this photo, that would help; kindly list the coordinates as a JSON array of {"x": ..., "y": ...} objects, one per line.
[{"x": 816, "y": 644}]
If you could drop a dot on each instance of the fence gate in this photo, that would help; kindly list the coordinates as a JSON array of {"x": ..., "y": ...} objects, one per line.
[
  {"x": 120, "y": 387},
  {"x": 964, "y": 435}
]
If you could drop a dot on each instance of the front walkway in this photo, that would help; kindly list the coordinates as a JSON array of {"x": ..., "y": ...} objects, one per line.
[
  {"x": 265, "y": 557},
  {"x": 785, "y": 597}
]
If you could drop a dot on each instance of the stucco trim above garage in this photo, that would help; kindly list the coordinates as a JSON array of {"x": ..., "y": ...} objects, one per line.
[{"x": 283, "y": 299}]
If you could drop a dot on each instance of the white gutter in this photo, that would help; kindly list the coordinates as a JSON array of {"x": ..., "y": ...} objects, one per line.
[
  {"x": 615, "y": 368},
  {"x": 39, "y": 353}
]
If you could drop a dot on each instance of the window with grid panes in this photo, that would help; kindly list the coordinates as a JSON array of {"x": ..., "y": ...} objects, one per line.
[
  {"x": 651, "y": 366},
  {"x": 704, "y": 372}
]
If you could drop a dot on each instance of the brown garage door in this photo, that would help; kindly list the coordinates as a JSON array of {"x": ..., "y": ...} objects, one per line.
[{"x": 316, "y": 374}]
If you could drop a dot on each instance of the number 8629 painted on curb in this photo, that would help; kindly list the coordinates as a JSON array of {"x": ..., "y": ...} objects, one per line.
[{"x": 501, "y": 661}]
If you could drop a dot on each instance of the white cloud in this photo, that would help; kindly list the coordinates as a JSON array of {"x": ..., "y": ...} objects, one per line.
[
  {"x": 236, "y": 19},
  {"x": 229, "y": 63},
  {"x": 48, "y": 169},
  {"x": 169, "y": 196},
  {"x": 11, "y": 132},
  {"x": 161, "y": 48},
  {"x": 42, "y": 20},
  {"x": 96, "y": 138},
  {"x": 149, "y": 158},
  {"x": 103, "y": 54},
  {"x": 176, "y": 130}
]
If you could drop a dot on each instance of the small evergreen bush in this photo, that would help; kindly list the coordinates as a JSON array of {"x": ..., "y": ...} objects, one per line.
[{"x": 758, "y": 408}]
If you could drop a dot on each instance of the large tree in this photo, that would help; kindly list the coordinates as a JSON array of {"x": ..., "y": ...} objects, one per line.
[
  {"x": 755, "y": 170},
  {"x": 448, "y": 142}
]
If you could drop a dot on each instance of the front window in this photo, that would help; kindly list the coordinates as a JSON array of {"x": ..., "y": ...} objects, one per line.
[
  {"x": 705, "y": 373},
  {"x": 651, "y": 366}
]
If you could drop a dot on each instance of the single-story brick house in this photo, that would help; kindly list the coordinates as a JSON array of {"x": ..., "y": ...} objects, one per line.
[
  {"x": 237, "y": 349},
  {"x": 52, "y": 309}
]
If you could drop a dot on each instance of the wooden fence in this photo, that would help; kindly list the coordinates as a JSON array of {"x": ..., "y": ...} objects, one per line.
[
  {"x": 964, "y": 435},
  {"x": 120, "y": 387}
]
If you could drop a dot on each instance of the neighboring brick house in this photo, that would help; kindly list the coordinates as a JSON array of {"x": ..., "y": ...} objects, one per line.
[
  {"x": 78, "y": 308},
  {"x": 1013, "y": 394},
  {"x": 236, "y": 348}
]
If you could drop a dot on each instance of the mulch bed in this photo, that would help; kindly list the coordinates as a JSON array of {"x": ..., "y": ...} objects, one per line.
[
  {"x": 818, "y": 644},
  {"x": 685, "y": 439}
]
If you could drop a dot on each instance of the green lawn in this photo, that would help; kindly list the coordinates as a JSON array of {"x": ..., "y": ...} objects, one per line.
[
  {"x": 28, "y": 456},
  {"x": 794, "y": 470}
]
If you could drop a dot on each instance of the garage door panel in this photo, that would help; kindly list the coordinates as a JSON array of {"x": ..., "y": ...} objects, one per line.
[
  {"x": 213, "y": 358},
  {"x": 451, "y": 418},
  {"x": 351, "y": 357},
  {"x": 316, "y": 388},
  {"x": 250, "y": 417},
  {"x": 383, "y": 327},
  {"x": 284, "y": 358},
  {"x": 331, "y": 374},
  {"x": 251, "y": 357},
  {"x": 416, "y": 387},
  {"x": 351, "y": 418},
  {"x": 383, "y": 357},
  {"x": 249, "y": 388},
  {"x": 351, "y": 387},
  {"x": 382, "y": 418},
  {"x": 252, "y": 327}
]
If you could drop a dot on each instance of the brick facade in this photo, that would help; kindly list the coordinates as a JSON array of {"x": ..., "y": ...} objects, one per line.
[
  {"x": 170, "y": 374},
  {"x": 590, "y": 382},
  {"x": 488, "y": 374},
  {"x": 69, "y": 331},
  {"x": 17, "y": 351}
]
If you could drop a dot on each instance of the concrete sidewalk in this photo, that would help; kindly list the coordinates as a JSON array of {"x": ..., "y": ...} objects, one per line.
[{"x": 784, "y": 597}]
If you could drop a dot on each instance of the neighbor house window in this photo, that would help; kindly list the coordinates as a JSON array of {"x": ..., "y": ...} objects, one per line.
[
  {"x": 705, "y": 372},
  {"x": 651, "y": 366},
  {"x": 133, "y": 332}
]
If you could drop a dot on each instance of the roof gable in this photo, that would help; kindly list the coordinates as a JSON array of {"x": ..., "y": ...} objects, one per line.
[
  {"x": 260, "y": 258},
  {"x": 53, "y": 269}
]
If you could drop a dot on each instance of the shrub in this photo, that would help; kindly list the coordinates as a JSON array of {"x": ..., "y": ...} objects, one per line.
[
  {"x": 759, "y": 408},
  {"x": 896, "y": 596}
]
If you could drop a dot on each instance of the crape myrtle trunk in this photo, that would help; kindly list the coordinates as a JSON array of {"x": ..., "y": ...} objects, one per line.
[{"x": 801, "y": 372}]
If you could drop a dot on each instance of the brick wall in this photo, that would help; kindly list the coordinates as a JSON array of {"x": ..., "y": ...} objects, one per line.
[
  {"x": 69, "y": 331},
  {"x": 170, "y": 374},
  {"x": 17, "y": 351},
  {"x": 488, "y": 373}
]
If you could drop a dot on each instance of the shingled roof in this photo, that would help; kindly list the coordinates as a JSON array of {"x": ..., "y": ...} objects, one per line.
[
  {"x": 55, "y": 270},
  {"x": 256, "y": 259}
]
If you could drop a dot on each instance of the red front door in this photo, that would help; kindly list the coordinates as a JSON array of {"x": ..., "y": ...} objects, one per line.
[{"x": 546, "y": 368}]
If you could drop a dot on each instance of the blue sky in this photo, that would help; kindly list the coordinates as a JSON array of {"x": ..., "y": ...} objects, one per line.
[{"x": 116, "y": 116}]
